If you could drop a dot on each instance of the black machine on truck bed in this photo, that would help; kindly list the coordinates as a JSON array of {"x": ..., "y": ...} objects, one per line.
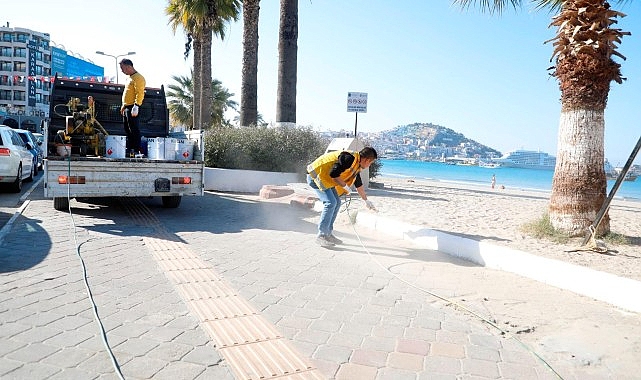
[{"x": 82, "y": 116}]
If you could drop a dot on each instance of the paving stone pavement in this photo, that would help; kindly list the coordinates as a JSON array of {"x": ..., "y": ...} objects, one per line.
[{"x": 359, "y": 311}]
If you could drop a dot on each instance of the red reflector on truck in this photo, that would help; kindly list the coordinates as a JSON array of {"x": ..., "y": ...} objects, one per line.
[
  {"x": 180, "y": 180},
  {"x": 72, "y": 180}
]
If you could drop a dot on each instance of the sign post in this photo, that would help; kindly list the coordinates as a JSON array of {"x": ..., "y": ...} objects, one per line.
[{"x": 356, "y": 102}]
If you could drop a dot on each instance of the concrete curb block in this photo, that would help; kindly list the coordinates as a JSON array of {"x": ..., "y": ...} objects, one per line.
[
  {"x": 274, "y": 191},
  {"x": 303, "y": 201},
  {"x": 618, "y": 291}
]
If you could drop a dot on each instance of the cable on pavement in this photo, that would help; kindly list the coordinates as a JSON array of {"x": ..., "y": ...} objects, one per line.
[
  {"x": 94, "y": 307},
  {"x": 348, "y": 200}
]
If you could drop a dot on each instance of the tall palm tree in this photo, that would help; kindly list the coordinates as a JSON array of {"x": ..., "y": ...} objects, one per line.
[
  {"x": 179, "y": 16},
  {"x": 181, "y": 101},
  {"x": 249, "y": 87},
  {"x": 584, "y": 46},
  {"x": 200, "y": 19},
  {"x": 287, "y": 62}
]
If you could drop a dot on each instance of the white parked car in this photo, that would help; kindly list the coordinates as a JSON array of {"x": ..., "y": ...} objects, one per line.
[
  {"x": 16, "y": 161},
  {"x": 36, "y": 151}
]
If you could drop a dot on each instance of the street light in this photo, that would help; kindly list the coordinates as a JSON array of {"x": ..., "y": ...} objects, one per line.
[{"x": 116, "y": 58}]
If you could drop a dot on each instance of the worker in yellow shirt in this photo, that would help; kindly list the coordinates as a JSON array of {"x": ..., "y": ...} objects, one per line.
[{"x": 132, "y": 99}]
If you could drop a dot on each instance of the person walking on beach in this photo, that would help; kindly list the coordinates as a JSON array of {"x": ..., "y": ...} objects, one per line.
[
  {"x": 493, "y": 180},
  {"x": 331, "y": 176},
  {"x": 132, "y": 99}
]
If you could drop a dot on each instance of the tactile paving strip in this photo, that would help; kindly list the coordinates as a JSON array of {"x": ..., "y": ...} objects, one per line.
[
  {"x": 265, "y": 360},
  {"x": 251, "y": 345}
]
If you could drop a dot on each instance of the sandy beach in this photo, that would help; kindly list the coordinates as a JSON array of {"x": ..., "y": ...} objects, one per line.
[{"x": 497, "y": 216}]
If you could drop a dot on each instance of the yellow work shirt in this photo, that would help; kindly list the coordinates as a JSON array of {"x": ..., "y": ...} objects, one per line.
[{"x": 134, "y": 90}]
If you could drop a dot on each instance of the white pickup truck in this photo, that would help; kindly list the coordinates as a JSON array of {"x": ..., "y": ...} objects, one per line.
[{"x": 78, "y": 163}]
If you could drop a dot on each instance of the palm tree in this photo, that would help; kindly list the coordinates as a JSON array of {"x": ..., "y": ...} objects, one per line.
[
  {"x": 249, "y": 88},
  {"x": 179, "y": 16},
  {"x": 584, "y": 46},
  {"x": 181, "y": 101},
  {"x": 199, "y": 19},
  {"x": 287, "y": 62}
]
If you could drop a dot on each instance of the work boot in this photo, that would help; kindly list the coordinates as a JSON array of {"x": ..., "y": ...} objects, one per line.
[
  {"x": 334, "y": 239},
  {"x": 323, "y": 241}
]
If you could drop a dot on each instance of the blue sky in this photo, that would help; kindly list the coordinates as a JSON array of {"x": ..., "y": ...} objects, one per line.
[{"x": 419, "y": 61}]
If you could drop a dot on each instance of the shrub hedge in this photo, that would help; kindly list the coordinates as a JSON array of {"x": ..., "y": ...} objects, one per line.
[{"x": 274, "y": 149}]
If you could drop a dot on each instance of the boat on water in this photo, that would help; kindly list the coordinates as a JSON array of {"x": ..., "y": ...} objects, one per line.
[
  {"x": 527, "y": 159},
  {"x": 612, "y": 173},
  {"x": 489, "y": 164}
]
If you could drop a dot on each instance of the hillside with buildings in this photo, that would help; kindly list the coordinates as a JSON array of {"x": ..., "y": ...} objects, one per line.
[{"x": 429, "y": 142}]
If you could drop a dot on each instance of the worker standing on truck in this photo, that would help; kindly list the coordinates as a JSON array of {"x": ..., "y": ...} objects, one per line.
[{"x": 132, "y": 99}]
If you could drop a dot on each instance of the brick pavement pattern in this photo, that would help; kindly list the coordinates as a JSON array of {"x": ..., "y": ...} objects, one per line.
[{"x": 344, "y": 315}]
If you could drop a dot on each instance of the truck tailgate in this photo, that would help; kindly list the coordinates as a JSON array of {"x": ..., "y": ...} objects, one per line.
[{"x": 106, "y": 177}]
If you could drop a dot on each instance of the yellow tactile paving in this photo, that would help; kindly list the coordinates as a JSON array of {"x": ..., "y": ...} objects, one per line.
[
  {"x": 241, "y": 330},
  {"x": 252, "y": 346},
  {"x": 221, "y": 308},
  {"x": 205, "y": 290},
  {"x": 173, "y": 255},
  {"x": 191, "y": 275},
  {"x": 264, "y": 360},
  {"x": 182, "y": 264}
]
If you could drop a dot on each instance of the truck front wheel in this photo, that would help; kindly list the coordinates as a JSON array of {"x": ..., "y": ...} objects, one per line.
[
  {"x": 171, "y": 201},
  {"x": 61, "y": 203}
]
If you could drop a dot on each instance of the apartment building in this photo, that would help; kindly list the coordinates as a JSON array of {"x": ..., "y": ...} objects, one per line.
[{"x": 28, "y": 64}]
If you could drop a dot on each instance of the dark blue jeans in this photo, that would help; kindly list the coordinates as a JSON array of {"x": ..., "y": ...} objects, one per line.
[{"x": 331, "y": 206}]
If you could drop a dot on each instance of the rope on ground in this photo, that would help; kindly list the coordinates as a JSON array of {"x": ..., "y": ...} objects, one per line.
[
  {"x": 435, "y": 295},
  {"x": 592, "y": 244}
]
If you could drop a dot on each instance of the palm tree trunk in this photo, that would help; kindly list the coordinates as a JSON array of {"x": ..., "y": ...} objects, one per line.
[
  {"x": 249, "y": 88},
  {"x": 584, "y": 46},
  {"x": 579, "y": 185},
  {"x": 287, "y": 62},
  {"x": 207, "y": 93},
  {"x": 197, "y": 88}
]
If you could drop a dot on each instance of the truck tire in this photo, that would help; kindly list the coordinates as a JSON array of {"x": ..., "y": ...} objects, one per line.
[
  {"x": 61, "y": 203},
  {"x": 171, "y": 201}
]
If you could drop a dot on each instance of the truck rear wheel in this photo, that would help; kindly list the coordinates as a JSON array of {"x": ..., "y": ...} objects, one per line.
[
  {"x": 61, "y": 203},
  {"x": 171, "y": 201}
]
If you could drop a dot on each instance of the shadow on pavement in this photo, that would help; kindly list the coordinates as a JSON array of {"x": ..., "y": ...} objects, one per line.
[
  {"x": 213, "y": 213},
  {"x": 26, "y": 246}
]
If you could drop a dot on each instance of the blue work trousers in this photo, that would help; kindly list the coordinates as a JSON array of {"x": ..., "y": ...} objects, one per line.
[{"x": 331, "y": 206}]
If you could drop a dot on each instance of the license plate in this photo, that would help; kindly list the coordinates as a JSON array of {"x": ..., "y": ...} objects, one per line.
[{"x": 162, "y": 185}]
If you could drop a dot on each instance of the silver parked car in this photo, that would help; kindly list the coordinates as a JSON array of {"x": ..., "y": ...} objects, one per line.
[{"x": 16, "y": 161}]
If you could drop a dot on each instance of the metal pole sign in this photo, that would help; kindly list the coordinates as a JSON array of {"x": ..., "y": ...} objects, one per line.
[{"x": 356, "y": 102}]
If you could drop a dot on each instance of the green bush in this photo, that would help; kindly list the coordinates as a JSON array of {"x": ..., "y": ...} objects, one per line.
[
  {"x": 280, "y": 149},
  {"x": 274, "y": 149}
]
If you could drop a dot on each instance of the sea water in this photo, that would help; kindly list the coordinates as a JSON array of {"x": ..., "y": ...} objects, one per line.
[{"x": 514, "y": 178}]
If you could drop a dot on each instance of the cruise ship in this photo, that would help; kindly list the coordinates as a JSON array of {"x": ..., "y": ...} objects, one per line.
[{"x": 527, "y": 159}]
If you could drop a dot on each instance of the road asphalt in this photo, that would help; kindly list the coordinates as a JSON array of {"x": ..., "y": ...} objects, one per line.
[{"x": 232, "y": 286}]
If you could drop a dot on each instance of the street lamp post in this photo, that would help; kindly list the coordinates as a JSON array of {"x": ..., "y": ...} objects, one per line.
[{"x": 116, "y": 58}]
